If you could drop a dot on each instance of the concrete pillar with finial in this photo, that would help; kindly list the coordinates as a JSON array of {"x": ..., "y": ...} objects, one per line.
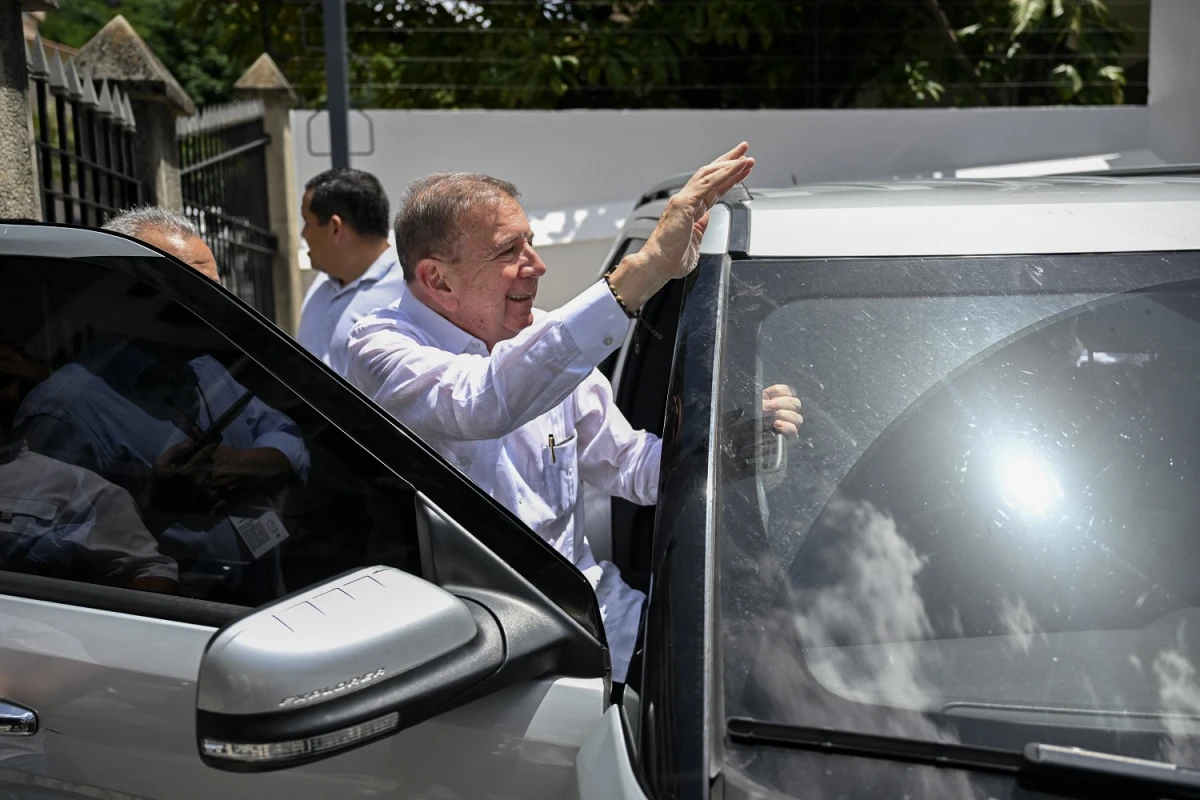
[
  {"x": 19, "y": 194},
  {"x": 119, "y": 56},
  {"x": 265, "y": 81}
]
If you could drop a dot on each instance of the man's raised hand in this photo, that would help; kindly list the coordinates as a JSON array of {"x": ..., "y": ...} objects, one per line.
[
  {"x": 675, "y": 243},
  {"x": 673, "y": 250}
]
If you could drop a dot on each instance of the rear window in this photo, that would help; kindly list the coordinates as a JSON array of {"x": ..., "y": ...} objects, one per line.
[{"x": 989, "y": 528}]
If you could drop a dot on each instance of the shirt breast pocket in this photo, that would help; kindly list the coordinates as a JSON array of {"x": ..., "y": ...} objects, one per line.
[
  {"x": 20, "y": 515},
  {"x": 561, "y": 473}
]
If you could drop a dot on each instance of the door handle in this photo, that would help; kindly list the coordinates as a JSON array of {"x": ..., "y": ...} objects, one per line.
[{"x": 16, "y": 721}]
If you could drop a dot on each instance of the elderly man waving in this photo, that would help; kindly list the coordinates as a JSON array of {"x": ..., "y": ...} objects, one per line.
[{"x": 512, "y": 396}]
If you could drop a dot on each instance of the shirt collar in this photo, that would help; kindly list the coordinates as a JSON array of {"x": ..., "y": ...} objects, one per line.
[
  {"x": 446, "y": 334},
  {"x": 378, "y": 269}
]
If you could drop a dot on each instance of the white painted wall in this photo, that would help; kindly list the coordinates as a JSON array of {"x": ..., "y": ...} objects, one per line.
[
  {"x": 1175, "y": 80},
  {"x": 579, "y": 171}
]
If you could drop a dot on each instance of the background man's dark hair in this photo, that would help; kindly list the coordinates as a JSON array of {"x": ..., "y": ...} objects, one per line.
[{"x": 355, "y": 196}]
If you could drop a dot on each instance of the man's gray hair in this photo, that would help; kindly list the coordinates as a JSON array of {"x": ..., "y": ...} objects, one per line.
[
  {"x": 135, "y": 221},
  {"x": 434, "y": 210}
]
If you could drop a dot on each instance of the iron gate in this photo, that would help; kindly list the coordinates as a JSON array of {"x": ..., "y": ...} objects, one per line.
[
  {"x": 85, "y": 141},
  {"x": 223, "y": 169}
]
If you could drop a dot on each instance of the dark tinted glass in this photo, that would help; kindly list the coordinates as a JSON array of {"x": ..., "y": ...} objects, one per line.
[
  {"x": 627, "y": 247},
  {"x": 989, "y": 528},
  {"x": 141, "y": 449},
  {"x": 608, "y": 365}
]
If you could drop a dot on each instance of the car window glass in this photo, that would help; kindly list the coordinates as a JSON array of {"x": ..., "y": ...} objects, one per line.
[
  {"x": 990, "y": 515},
  {"x": 627, "y": 247},
  {"x": 140, "y": 449}
]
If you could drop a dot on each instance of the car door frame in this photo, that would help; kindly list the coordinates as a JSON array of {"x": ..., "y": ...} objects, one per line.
[{"x": 598, "y": 518}]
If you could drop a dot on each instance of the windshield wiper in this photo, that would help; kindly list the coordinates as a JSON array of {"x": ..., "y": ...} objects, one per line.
[{"x": 1068, "y": 766}]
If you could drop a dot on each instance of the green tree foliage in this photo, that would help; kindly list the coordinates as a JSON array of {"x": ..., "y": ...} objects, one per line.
[
  {"x": 684, "y": 53},
  {"x": 194, "y": 55}
]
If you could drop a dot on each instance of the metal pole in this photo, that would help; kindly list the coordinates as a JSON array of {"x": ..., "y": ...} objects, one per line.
[{"x": 338, "y": 79}]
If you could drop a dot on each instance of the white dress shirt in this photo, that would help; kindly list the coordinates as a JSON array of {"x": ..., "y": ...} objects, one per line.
[
  {"x": 331, "y": 309},
  {"x": 493, "y": 417}
]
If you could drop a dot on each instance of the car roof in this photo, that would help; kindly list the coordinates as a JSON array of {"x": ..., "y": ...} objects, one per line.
[
  {"x": 977, "y": 217},
  {"x": 1061, "y": 214},
  {"x": 49, "y": 240}
]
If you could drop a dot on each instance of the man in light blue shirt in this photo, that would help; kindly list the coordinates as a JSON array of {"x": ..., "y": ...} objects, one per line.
[
  {"x": 346, "y": 227},
  {"x": 128, "y": 407}
]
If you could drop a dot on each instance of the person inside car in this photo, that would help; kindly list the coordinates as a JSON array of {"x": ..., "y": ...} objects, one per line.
[
  {"x": 512, "y": 396},
  {"x": 58, "y": 520},
  {"x": 131, "y": 408}
]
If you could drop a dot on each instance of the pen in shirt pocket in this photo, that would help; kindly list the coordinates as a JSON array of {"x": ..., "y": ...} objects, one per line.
[{"x": 559, "y": 443}]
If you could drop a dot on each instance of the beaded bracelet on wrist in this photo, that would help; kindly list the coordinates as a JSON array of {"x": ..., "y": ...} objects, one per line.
[{"x": 636, "y": 316}]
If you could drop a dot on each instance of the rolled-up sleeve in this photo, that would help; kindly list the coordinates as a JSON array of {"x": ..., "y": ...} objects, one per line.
[
  {"x": 268, "y": 426},
  {"x": 450, "y": 396},
  {"x": 273, "y": 428}
]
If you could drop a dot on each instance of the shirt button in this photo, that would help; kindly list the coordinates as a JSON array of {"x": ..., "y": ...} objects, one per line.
[{"x": 608, "y": 341}]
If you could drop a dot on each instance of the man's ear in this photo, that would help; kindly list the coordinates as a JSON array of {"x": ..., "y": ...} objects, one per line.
[
  {"x": 432, "y": 275},
  {"x": 337, "y": 228}
]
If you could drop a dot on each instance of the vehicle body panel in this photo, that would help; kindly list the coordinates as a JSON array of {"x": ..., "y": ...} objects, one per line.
[
  {"x": 115, "y": 696},
  {"x": 976, "y": 218}
]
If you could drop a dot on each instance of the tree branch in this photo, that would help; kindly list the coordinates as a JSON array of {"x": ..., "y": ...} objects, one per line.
[{"x": 947, "y": 29}]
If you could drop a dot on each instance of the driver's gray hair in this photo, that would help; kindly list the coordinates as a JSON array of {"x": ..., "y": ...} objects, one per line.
[
  {"x": 135, "y": 221},
  {"x": 434, "y": 210}
]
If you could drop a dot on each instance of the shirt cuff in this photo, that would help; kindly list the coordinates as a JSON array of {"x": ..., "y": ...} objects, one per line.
[{"x": 596, "y": 322}]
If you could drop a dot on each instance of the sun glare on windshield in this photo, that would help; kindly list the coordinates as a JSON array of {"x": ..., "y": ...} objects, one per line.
[{"x": 1028, "y": 485}]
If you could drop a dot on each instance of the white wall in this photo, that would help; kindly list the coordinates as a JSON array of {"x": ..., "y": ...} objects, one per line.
[
  {"x": 579, "y": 171},
  {"x": 1175, "y": 80}
]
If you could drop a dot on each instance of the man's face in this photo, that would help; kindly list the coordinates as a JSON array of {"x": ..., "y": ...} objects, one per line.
[
  {"x": 191, "y": 250},
  {"x": 320, "y": 238},
  {"x": 495, "y": 278}
]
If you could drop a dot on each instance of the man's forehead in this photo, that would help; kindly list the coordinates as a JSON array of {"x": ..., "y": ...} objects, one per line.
[
  {"x": 188, "y": 248},
  {"x": 502, "y": 221},
  {"x": 162, "y": 238}
]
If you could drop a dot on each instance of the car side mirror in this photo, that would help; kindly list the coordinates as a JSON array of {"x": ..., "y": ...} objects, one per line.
[{"x": 337, "y": 666}]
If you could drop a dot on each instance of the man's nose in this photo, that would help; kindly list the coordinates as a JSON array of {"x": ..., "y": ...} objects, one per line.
[{"x": 534, "y": 266}]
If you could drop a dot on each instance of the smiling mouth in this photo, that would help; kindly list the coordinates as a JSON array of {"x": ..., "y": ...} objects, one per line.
[{"x": 520, "y": 298}]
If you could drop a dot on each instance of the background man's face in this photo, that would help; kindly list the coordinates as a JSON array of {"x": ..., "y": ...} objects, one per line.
[
  {"x": 318, "y": 237},
  {"x": 495, "y": 278}
]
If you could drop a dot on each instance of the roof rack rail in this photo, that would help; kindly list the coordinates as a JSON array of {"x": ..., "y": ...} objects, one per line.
[
  {"x": 664, "y": 189},
  {"x": 1133, "y": 172}
]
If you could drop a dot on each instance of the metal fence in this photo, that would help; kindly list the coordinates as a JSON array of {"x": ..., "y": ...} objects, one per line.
[
  {"x": 84, "y": 140},
  {"x": 224, "y": 180}
]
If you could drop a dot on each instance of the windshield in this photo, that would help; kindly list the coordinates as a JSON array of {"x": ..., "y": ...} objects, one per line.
[{"x": 989, "y": 528}]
